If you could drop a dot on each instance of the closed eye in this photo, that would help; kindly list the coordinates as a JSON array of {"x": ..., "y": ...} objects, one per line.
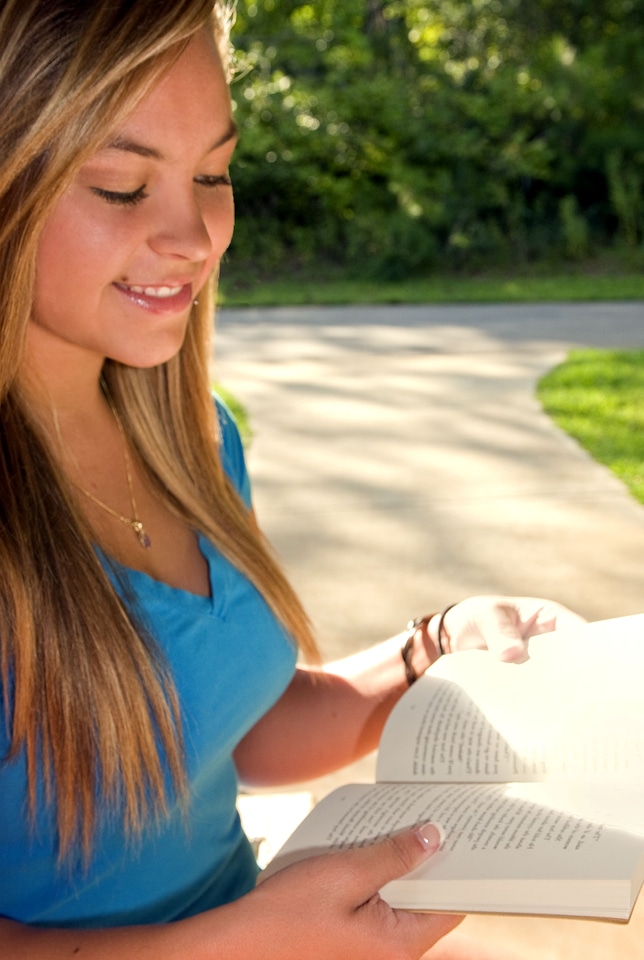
[
  {"x": 214, "y": 181},
  {"x": 125, "y": 199}
]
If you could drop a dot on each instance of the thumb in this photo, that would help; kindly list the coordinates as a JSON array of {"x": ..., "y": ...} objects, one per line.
[
  {"x": 504, "y": 638},
  {"x": 392, "y": 857}
]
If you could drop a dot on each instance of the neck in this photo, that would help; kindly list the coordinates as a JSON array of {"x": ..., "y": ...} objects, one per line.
[
  {"x": 59, "y": 376},
  {"x": 63, "y": 392}
]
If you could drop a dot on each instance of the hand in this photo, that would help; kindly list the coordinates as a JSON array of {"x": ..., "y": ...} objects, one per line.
[
  {"x": 503, "y": 624},
  {"x": 328, "y": 907}
]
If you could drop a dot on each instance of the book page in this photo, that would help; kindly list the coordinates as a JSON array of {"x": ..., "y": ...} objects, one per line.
[
  {"x": 510, "y": 848},
  {"x": 572, "y": 709}
]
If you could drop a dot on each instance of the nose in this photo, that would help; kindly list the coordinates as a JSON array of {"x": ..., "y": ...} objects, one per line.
[{"x": 181, "y": 231}]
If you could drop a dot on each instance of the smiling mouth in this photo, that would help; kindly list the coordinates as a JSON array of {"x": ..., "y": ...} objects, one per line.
[
  {"x": 163, "y": 298},
  {"x": 163, "y": 293}
]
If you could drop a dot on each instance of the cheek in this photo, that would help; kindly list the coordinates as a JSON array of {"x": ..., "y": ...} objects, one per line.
[
  {"x": 71, "y": 251},
  {"x": 221, "y": 222}
]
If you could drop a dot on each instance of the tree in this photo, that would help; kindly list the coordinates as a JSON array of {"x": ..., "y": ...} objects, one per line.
[{"x": 387, "y": 137}]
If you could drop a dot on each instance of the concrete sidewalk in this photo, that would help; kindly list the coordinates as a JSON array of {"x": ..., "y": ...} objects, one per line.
[{"x": 401, "y": 462}]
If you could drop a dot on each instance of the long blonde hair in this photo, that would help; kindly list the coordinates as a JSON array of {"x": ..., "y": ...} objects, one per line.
[{"x": 86, "y": 695}]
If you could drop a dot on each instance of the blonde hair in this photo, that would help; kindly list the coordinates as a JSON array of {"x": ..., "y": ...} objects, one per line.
[{"x": 86, "y": 695}]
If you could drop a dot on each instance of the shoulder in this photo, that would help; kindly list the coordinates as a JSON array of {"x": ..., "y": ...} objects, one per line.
[{"x": 231, "y": 450}]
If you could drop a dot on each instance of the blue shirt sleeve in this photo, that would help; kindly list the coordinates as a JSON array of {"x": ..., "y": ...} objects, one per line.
[{"x": 232, "y": 451}]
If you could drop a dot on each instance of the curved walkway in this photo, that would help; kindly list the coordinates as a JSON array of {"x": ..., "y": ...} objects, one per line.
[{"x": 401, "y": 461}]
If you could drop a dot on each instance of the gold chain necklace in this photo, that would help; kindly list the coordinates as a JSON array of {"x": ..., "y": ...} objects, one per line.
[{"x": 132, "y": 522}]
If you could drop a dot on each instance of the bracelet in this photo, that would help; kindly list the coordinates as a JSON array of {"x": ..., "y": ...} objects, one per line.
[
  {"x": 407, "y": 649},
  {"x": 441, "y": 623}
]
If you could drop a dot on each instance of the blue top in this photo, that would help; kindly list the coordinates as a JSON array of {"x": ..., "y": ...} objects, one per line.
[{"x": 230, "y": 660}]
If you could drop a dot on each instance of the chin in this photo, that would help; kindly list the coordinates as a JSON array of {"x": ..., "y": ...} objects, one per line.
[
  {"x": 149, "y": 363},
  {"x": 147, "y": 358}
]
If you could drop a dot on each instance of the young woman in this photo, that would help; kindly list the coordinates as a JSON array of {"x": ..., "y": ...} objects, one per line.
[{"x": 148, "y": 638}]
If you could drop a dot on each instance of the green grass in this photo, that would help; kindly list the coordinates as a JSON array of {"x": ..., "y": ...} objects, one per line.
[
  {"x": 455, "y": 289},
  {"x": 238, "y": 411},
  {"x": 597, "y": 396}
]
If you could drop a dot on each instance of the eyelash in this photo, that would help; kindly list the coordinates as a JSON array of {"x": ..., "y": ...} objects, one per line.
[
  {"x": 124, "y": 199},
  {"x": 214, "y": 181},
  {"x": 135, "y": 196}
]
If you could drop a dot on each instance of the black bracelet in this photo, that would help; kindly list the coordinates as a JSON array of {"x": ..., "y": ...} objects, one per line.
[
  {"x": 407, "y": 649},
  {"x": 441, "y": 622}
]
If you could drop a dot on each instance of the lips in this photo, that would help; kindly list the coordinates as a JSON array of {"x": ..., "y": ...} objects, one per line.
[{"x": 164, "y": 298}]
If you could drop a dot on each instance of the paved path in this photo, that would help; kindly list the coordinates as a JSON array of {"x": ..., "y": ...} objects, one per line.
[{"x": 401, "y": 461}]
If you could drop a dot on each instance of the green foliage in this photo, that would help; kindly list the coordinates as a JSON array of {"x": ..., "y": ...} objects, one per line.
[
  {"x": 238, "y": 411},
  {"x": 574, "y": 229},
  {"x": 391, "y": 139},
  {"x": 597, "y": 396},
  {"x": 625, "y": 189}
]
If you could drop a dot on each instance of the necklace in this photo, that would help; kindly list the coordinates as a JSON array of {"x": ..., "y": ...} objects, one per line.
[{"x": 132, "y": 522}]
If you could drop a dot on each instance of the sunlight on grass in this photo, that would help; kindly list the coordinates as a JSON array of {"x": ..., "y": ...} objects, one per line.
[{"x": 597, "y": 396}]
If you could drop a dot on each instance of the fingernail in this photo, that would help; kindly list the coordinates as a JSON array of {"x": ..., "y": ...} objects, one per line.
[{"x": 430, "y": 836}]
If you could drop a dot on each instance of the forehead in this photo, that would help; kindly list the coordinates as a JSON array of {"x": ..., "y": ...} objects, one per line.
[{"x": 188, "y": 106}]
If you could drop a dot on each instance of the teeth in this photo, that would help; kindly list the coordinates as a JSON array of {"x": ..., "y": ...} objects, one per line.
[{"x": 161, "y": 292}]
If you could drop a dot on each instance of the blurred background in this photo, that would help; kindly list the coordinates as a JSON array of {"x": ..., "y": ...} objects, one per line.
[
  {"x": 401, "y": 454},
  {"x": 396, "y": 138}
]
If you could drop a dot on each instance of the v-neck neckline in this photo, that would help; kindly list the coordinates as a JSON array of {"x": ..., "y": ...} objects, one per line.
[{"x": 214, "y": 603}]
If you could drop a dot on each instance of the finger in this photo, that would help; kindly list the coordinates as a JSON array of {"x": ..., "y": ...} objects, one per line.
[
  {"x": 554, "y": 616},
  {"x": 391, "y": 858},
  {"x": 376, "y": 864},
  {"x": 504, "y": 635},
  {"x": 524, "y": 617}
]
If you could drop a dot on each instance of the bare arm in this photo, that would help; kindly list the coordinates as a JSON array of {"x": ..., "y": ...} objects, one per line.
[
  {"x": 323, "y": 907},
  {"x": 22, "y": 942},
  {"x": 329, "y": 718}
]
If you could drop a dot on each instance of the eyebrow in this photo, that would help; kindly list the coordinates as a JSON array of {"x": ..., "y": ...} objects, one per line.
[{"x": 141, "y": 150}]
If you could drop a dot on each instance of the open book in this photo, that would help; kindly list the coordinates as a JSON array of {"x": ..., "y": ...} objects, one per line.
[{"x": 535, "y": 772}]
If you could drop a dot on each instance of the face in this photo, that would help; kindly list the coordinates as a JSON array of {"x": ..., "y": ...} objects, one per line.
[{"x": 135, "y": 237}]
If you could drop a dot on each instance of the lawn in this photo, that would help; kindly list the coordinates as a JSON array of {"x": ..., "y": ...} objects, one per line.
[
  {"x": 602, "y": 285},
  {"x": 597, "y": 396}
]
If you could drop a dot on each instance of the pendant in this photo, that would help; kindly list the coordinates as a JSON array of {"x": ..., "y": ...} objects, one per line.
[{"x": 141, "y": 535}]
